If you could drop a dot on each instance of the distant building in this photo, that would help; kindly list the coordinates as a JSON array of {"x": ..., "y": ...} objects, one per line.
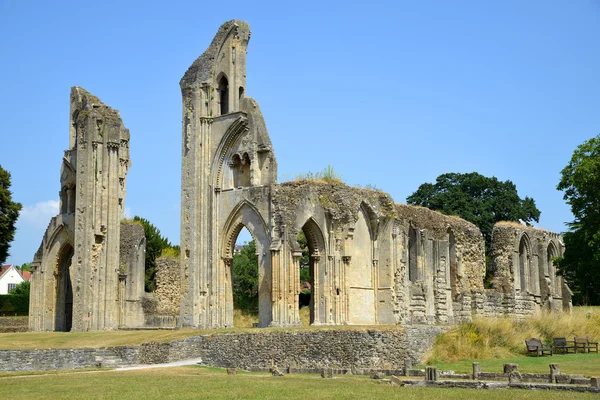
[{"x": 10, "y": 277}]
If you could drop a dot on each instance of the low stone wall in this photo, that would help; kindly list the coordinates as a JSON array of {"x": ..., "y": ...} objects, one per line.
[
  {"x": 54, "y": 359},
  {"x": 385, "y": 349},
  {"x": 14, "y": 324}
]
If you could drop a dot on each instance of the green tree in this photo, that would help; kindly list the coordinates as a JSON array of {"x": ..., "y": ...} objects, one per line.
[
  {"x": 25, "y": 267},
  {"x": 9, "y": 213},
  {"x": 155, "y": 244},
  {"x": 304, "y": 259},
  {"x": 580, "y": 264},
  {"x": 245, "y": 279},
  {"x": 476, "y": 198},
  {"x": 21, "y": 289}
]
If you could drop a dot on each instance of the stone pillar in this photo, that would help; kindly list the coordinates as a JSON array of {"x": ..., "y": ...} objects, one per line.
[
  {"x": 554, "y": 371},
  {"x": 430, "y": 374},
  {"x": 476, "y": 370}
]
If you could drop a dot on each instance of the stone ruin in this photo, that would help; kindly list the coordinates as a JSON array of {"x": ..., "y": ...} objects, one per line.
[{"x": 373, "y": 261}]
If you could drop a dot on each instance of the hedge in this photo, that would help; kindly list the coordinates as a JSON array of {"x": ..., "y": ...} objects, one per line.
[{"x": 14, "y": 304}]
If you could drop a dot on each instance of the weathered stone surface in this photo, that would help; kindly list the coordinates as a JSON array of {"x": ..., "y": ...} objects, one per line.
[
  {"x": 76, "y": 281},
  {"x": 327, "y": 373},
  {"x": 307, "y": 351}
]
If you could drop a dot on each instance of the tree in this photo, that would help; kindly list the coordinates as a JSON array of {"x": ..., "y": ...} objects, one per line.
[
  {"x": 155, "y": 244},
  {"x": 25, "y": 267},
  {"x": 9, "y": 213},
  {"x": 245, "y": 279},
  {"x": 580, "y": 264},
  {"x": 478, "y": 199},
  {"x": 21, "y": 289}
]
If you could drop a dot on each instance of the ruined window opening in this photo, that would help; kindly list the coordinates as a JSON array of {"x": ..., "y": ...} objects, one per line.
[
  {"x": 240, "y": 168},
  {"x": 241, "y": 92},
  {"x": 523, "y": 264},
  {"x": 306, "y": 278},
  {"x": 554, "y": 280},
  {"x": 413, "y": 254},
  {"x": 224, "y": 95}
]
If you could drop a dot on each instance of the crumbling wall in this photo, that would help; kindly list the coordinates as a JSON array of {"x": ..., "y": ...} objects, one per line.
[{"x": 523, "y": 269}]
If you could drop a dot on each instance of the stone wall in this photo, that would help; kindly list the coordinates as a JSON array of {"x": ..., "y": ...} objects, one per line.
[
  {"x": 14, "y": 324},
  {"x": 55, "y": 359},
  {"x": 363, "y": 349},
  {"x": 168, "y": 286},
  {"x": 384, "y": 349}
]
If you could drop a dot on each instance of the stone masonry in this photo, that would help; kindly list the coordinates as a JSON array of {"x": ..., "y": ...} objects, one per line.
[{"x": 372, "y": 261}]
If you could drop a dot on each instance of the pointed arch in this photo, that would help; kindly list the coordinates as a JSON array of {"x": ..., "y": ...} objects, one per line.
[
  {"x": 245, "y": 214},
  {"x": 524, "y": 252},
  {"x": 551, "y": 252},
  {"x": 317, "y": 247},
  {"x": 230, "y": 138},
  {"x": 361, "y": 274}
]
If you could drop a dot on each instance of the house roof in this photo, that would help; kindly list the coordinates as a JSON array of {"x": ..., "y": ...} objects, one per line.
[
  {"x": 26, "y": 275},
  {"x": 4, "y": 269}
]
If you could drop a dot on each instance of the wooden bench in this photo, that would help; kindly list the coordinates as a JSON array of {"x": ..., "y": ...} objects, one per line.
[
  {"x": 563, "y": 346},
  {"x": 536, "y": 347},
  {"x": 586, "y": 345}
]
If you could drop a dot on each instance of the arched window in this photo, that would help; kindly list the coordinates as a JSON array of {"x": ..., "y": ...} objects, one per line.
[
  {"x": 523, "y": 264},
  {"x": 224, "y": 95}
]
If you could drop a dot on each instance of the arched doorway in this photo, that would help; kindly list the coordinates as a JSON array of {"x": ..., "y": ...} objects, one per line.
[
  {"x": 246, "y": 216},
  {"x": 63, "y": 310},
  {"x": 245, "y": 281},
  {"x": 316, "y": 249}
]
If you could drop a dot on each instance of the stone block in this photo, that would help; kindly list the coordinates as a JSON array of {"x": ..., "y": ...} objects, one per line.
[
  {"x": 510, "y": 367},
  {"x": 327, "y": 373}
]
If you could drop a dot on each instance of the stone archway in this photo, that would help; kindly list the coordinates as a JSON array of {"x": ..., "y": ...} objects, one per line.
[
  {"x": 318, "y": 279},
  {"x": 63, "y": 310},
  {"x": 246, "y": 216}
]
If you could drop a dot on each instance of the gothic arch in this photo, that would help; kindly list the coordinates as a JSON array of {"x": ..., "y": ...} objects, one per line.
[
  {"x": 317, "y": 247},
  {"x": 230, "y": 138},
  {"x": 246, "y": 215},
  {"x": 552, "y": 251},
  {"x": 524, "y": 263}
]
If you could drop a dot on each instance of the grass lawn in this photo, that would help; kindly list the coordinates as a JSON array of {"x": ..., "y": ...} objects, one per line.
[
  {"x": 64, "y": 340},
  {"x": 210, "y": 383},
  {"x": 585, "y": 364}
]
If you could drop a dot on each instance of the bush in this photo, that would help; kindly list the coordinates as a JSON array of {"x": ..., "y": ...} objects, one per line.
[{"x": 14, "y": 304}]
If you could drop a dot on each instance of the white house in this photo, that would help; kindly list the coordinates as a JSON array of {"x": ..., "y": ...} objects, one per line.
[{"x": 10, "y": 277}]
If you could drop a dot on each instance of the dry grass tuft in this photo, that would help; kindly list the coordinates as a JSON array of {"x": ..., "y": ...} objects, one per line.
[{"x": 487, "y": 338}]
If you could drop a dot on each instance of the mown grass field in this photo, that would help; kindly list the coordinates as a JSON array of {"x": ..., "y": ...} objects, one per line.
[{"x": 209, "y": 383}]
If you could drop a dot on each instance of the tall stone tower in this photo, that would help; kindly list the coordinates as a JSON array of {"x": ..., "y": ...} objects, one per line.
[
  {"x": 76, "y": 271},
  {"x": 227, "y": 164}
]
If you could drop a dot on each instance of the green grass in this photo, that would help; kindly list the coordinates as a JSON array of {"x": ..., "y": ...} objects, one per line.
[
  {"x": 66, "y": 340},
  {"x": 211, "y": 383},
  {"x": 489, "y": 338},
  {"x": 584, "y": 364}
]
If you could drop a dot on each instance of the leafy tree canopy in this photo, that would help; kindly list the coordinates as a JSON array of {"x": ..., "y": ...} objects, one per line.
[
  {"x": 245, "y": 279},
  {"x": 476, "y": 198},
  {"x": 9, "y": 213},
  {"x": 155, "y": 245},
  {"x": 580, "y": 181}
]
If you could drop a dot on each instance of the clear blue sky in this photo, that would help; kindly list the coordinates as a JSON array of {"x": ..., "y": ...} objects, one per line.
[{"x": 390, "y": 94}]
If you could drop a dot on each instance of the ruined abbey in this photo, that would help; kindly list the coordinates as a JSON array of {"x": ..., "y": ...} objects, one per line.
[{"x": 372, "y": 261}]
